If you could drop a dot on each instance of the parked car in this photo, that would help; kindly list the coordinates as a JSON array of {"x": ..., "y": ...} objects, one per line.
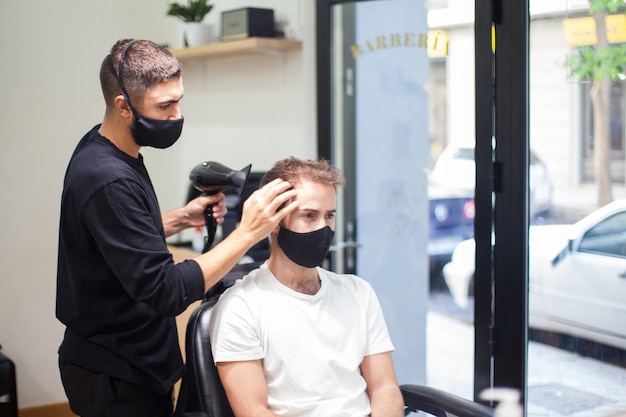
[
  {"x": 577, "y": 276},
  {"x": 451, "y": 220},
  {"x": 451, "y": 197},
  {"x": 455, "y": 168}
]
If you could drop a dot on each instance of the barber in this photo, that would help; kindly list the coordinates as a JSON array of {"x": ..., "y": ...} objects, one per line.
[{"x": 118, "y": 288}]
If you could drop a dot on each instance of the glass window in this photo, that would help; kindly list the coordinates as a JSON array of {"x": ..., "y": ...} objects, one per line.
[
  {"x": 577, "y": 308},
  {"x": 576, "y": 357}
]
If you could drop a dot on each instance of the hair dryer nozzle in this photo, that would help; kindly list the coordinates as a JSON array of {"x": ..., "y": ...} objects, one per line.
[
  {"x": 213, "y": 177},
  {"x": 240, "y": 178}
]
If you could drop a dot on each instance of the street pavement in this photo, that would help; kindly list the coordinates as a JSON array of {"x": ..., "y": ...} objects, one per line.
[{"x": 560, "y": 383}]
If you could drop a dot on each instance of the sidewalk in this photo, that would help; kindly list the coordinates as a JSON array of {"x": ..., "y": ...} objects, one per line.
[{"x": 560, "y": 383}]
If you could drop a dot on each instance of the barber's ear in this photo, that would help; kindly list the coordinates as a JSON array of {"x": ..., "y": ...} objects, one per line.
[{"x": 122, "y": 107}]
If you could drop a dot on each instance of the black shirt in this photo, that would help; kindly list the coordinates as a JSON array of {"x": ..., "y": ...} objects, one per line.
[{"x": 118, "y": 289}]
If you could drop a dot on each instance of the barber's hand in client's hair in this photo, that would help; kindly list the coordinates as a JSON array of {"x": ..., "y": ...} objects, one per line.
[
  {"x": 267, "y": 206},
  {"x": 283, "y": 205}
]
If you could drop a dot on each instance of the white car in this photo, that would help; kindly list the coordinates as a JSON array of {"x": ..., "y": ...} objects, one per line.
[
  {"x": 577, "y": 276},
  {"x": 455, "y": 169}
]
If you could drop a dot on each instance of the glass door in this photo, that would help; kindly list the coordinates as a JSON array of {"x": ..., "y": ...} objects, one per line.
[
  {"x": 385, "y": 119},
  {"x": 379, "y": 138},
  {"x": 536, "y": 300}
]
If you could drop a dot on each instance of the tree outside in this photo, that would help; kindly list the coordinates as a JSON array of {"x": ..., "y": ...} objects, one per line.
[{"x": 600, "y": 64}]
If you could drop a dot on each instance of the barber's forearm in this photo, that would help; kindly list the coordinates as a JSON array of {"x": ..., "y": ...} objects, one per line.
[
  {"x": 224, "y": 256},
  {"x": 173, "y": 221}
]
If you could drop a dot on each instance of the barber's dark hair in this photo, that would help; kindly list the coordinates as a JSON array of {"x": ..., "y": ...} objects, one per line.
[
  {"x": 145, "y": 65},
  {"x": 293, "y": 170}
]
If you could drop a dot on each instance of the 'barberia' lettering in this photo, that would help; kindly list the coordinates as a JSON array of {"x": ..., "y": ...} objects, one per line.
[{"x": 398, "y": 40}]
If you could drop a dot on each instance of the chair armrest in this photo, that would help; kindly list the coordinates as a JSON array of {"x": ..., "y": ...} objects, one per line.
[{"x": 440, "y": 403}]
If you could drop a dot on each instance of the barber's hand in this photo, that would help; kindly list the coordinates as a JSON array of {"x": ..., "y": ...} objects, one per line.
[
  {"x": 260, "y": 211},
  {"x": 195, "y": 209}
]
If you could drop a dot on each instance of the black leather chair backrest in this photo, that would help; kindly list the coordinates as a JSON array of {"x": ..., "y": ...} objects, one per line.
[{"x": 201, "y": 392}]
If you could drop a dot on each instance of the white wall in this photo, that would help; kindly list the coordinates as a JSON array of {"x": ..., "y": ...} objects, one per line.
[
  {"x": 461, "y": 86},
  {"x": 553, "y": 103},
  {"x": 237, "y": 112}
]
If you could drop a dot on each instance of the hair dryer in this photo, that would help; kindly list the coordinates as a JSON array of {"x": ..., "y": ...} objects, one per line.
[{"x": 212, "y": 178}]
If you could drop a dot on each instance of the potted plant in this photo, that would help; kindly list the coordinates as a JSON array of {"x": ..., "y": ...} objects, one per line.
[{"x": 192, "y": 15}]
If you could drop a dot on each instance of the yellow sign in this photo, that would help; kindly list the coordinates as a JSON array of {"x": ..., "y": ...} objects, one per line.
[
  {"x": 616, "y": 28},
  {"x": 435, "y": 42},
  {"x": 582, "y": 31}
]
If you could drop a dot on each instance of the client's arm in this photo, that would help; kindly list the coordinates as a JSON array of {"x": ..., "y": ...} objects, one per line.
[
  {"x": 382, "y": 386},
  {"x": 245, "y": 386}
]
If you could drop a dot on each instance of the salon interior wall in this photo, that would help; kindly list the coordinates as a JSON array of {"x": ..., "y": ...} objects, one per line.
[{"x": 237, "y": 111}]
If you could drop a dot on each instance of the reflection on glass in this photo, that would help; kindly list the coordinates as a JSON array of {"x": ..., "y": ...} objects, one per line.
[
  {"x": 577, "y": 254},
  {"x": 378, "y": 73},
  {"x": 450, "y": 87},
  {"x": 577, "y": 297}
]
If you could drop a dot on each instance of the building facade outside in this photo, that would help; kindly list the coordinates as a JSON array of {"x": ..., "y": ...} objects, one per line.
[{"x": 560, "y": 121}]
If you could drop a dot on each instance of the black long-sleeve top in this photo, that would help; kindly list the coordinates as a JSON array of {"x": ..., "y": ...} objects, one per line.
[{"x": 118, "y": 289}]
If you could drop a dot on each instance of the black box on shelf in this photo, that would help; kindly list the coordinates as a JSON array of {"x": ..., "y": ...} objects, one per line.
[{"x": 247, "y": 22}]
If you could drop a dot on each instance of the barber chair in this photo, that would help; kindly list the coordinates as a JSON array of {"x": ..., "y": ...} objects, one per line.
[{"x": 202, "y": 395}]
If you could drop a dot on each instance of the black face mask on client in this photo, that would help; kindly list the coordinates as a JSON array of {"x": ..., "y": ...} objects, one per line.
[
  {"x": 306, "y": 249},
  {"x": 147, "y": 131}
]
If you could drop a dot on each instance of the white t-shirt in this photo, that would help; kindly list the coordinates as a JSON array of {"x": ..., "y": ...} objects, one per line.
[{"x": 311, "y": 345}]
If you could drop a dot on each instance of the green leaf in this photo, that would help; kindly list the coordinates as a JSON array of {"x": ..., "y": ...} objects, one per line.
[
  {"x": 192, "y": 11},
  {"x": 612, "y": 6},
  {"x": 592, "y": 64}
]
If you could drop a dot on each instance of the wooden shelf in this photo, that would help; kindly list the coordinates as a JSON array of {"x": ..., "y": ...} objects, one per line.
[{"x": 255, "y": 45}]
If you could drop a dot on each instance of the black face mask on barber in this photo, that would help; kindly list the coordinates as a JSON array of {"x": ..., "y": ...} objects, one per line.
[
  {"x": 306, "y": 249},
  {"x": 156, "y": 133},
  {"x": 146, "y": 131}
]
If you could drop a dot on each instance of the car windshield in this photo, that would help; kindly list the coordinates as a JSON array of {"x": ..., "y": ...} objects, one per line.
[{"x": 607, "y": 237}]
